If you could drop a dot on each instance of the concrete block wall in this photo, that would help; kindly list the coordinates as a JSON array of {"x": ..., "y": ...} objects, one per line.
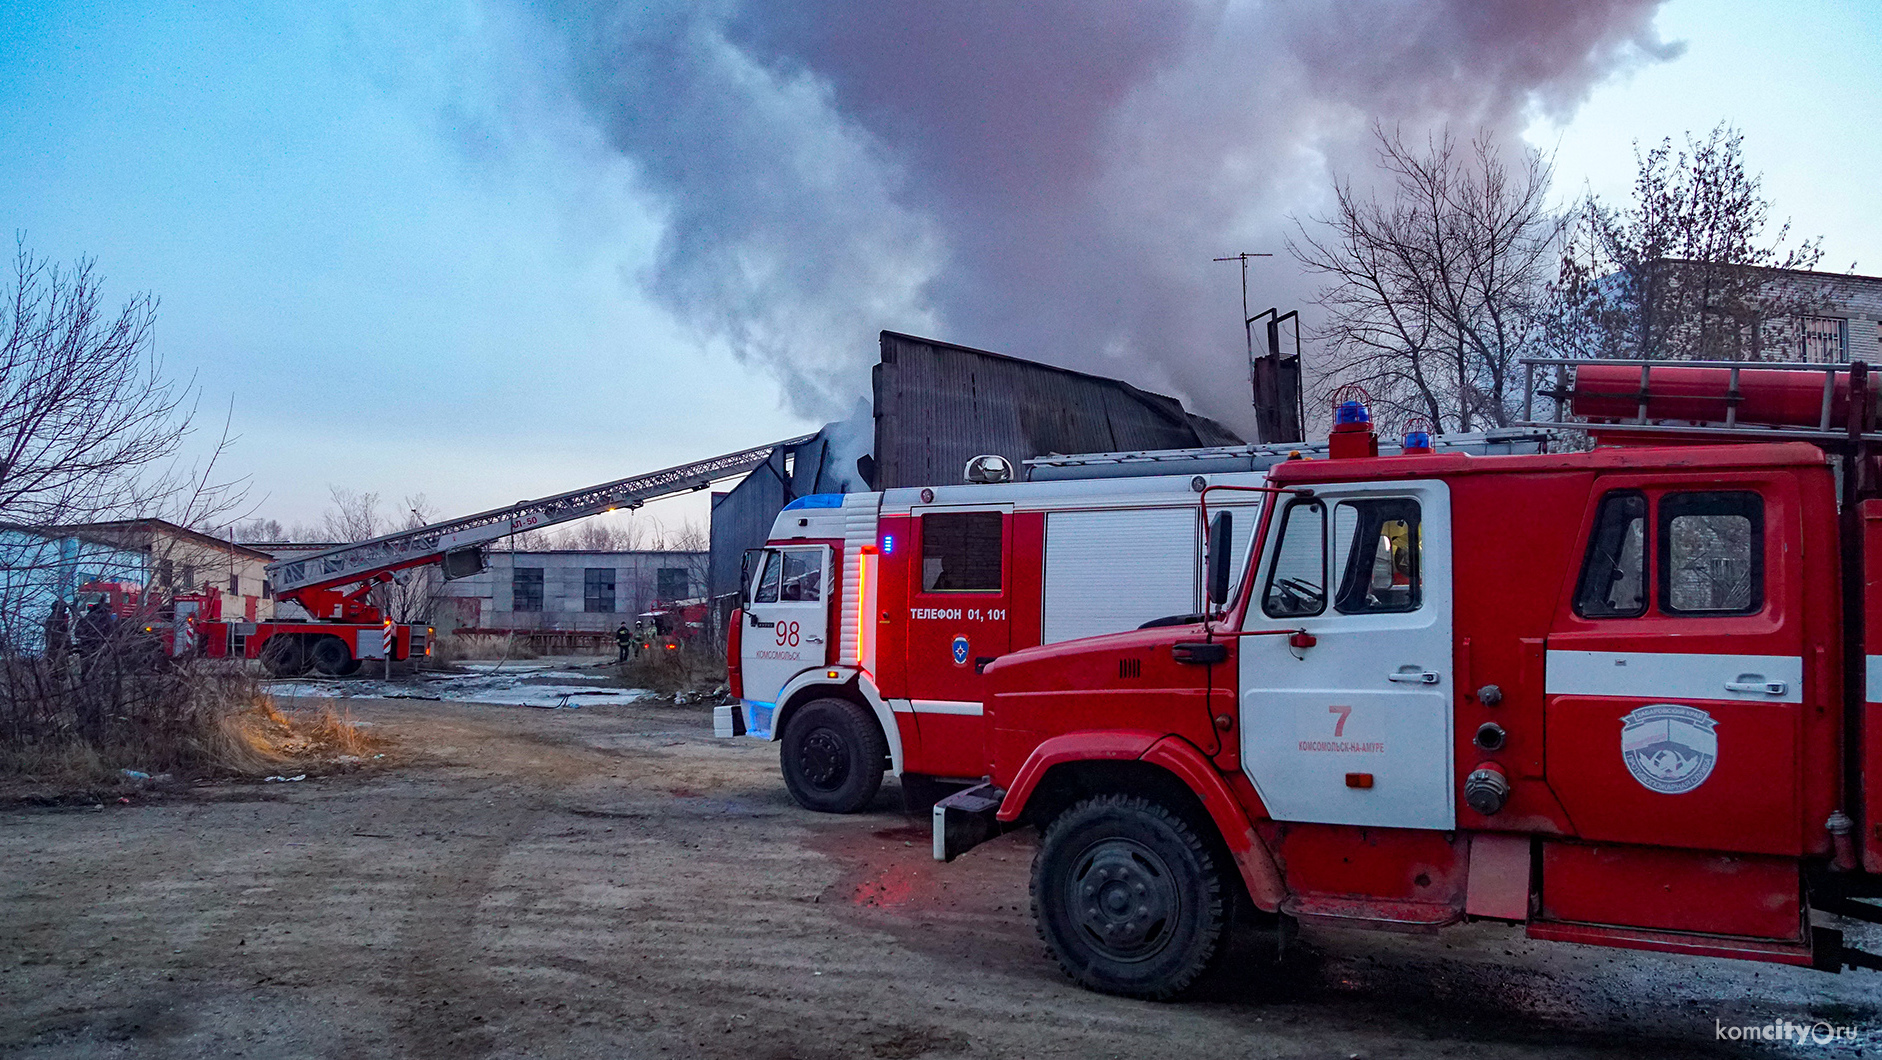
[{"x": 490, "y": 597}]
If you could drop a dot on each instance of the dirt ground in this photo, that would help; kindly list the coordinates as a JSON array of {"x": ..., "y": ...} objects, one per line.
[{"x": 613, "y": 882}]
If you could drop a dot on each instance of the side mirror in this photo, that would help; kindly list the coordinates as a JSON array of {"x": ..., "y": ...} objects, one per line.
[
  {"x": 745, "y": 565},
  {"x": 1218, "y": 558}
]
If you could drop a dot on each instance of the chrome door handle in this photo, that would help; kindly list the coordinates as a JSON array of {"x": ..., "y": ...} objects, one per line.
[
  {"x": 813, "y": 640},
  {"x": 1756, "y": 683},
  {"x": 1413, "y": 677}
]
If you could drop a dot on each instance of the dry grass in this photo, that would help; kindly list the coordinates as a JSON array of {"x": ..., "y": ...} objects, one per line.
[
  {"x": 692, "y": 667},
  {"x": 79, "y": 733},
  {"x": 321, "y": 738},
  {"x": 448, "y": 648}
]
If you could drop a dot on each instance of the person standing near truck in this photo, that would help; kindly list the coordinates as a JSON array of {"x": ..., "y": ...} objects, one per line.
[
  {"x": 625, "y": 641},
  {"x": 58, "y": 631}
]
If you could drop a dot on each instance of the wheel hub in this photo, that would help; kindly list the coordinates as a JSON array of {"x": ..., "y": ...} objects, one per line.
[
  {"x": 1124, "y": 897},
  {"x": 823, "y": 760}
]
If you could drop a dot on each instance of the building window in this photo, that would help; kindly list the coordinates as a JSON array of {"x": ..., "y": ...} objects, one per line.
[
  {"x": 165, "y": 572},
  {"x": 671, "y": 583},
  {"x": 598, "y": 590},
  {"x": 1826, "y": 340},
  {"x": 526, "y": 589},
  {"x": 188, "y": 578},
  {"x": 235, "y": 585}
]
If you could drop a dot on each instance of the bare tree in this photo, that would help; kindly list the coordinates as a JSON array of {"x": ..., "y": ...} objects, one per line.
[
  {"x": 596, "y": 535},
  {"x": 85, "y": 409},
  {"x": 91, "y": 430},
  {"x": 351, "y": 515},
  {"x": 1684, "y": 270},
  {"x": 259, "y": 529},
  {"x": 689, "y": 536},
  {"x": 355, "y": 515},
  {"x": 414, "y": 593},
  {"x": 1435, "y": 292}
]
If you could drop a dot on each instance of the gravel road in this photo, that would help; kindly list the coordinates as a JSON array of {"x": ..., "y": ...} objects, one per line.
[{"x": 612, "y": 882}]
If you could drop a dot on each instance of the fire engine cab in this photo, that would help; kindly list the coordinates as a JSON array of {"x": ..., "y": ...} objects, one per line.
[
  {"x": 1623, "y": 696},
  {"x": 867, "y": 618}
]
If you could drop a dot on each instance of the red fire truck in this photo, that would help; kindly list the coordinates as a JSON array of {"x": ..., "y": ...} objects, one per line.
[
  {"x": 334, "y": 587},
  {"x": 1623, "y": 697},
  {"x": 866, "y": 618}
]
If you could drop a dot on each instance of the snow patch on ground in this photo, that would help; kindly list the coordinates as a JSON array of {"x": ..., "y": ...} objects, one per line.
[
  {"x": 561, "y": 665},
  {"x": 502, "y": 689}
]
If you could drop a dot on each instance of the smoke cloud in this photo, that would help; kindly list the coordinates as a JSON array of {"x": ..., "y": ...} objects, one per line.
[{"x": 1048, "y": 179}]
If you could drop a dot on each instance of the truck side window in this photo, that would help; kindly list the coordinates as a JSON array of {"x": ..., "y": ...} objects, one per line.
[
  {"x": 1382, "y": 544},
  {"x": 961, "y": 552},
  {"x": 768, "y": 581},
  {"x": 803, "y": 575},
  {"x": 1297, "y": 579},
  {"x": 1613, "y": 580},
  {"x": 1711, "y": 553}
]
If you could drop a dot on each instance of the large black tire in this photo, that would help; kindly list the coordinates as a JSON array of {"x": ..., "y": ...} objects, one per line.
[
  {"x": 833, "y": 755},
  {"x": 285, "y": 656},
  {"x": 331, "y": 656},
  {"x": 1128, "y": 897}
]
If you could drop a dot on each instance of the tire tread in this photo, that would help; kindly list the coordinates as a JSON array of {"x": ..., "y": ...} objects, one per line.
[{"x": 1216, "y": 907}]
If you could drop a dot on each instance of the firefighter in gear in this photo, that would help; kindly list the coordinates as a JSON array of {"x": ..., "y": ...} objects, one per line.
[
  {"x": 58, "y": 631},
  {"x": 625, "y": 641},
  {"x": 94, "y": 629}
]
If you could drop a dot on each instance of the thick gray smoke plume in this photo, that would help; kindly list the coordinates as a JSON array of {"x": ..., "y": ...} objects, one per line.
[{"x": 1048, "y": 179}]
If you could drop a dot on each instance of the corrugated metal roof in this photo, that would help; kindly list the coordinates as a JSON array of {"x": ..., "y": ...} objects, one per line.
[{"x": 938, "y": 405}]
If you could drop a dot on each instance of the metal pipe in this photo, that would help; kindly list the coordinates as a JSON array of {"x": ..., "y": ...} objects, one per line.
[{"x": 1855, "y": 661}]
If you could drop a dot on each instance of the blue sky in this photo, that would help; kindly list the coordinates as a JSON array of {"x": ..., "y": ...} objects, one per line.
[
  {"x": 1799, "y": 78},
  {"x": 389, "y": 240}
]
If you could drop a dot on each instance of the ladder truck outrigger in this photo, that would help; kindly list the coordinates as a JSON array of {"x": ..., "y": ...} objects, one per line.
[
  {"x": 343, "y": 627},
  {"x": 1625, "y": 697}
]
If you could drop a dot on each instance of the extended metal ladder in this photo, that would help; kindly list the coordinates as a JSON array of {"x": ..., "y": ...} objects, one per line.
[{"x": 433, "y": 543}]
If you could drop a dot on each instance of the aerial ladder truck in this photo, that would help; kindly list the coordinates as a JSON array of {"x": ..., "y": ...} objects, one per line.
[{"x": 344, "y": 627}]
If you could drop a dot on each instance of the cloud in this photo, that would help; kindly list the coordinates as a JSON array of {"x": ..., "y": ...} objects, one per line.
[{"x": 1048, "y": 179}]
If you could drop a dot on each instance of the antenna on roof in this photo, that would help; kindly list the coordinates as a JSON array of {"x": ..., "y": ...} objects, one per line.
[{"x": 1279, "y": 412}]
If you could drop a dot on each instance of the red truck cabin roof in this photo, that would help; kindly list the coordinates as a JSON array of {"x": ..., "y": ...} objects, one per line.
[{"x": 1450, "y": 465}]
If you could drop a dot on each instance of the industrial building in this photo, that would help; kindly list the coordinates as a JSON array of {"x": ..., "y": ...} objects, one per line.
[
  {"x": 938, "y": 405},
  {"x": 567, "y": 590},
  {"x": 39, "y": 567},
  {"x": 181, "y": 560}
]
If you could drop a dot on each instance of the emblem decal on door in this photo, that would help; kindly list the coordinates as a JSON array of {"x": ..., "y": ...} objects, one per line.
[
  {"x": 960, "y": 651},
  {"x": 1669, "y": 748}
]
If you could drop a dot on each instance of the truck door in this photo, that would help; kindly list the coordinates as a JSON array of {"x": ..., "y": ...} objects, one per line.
[
  {"x": 1355, "y": 728},
  {"x": 1677, "y": 680},
  {"x": 959, "y": 598},
  {"x": 786, "y": 624}
]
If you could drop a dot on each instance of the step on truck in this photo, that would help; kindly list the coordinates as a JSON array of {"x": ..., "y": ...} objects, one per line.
[
  {"x": 866, "y": 618},
  {"x": 1622, "y": 697}
]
